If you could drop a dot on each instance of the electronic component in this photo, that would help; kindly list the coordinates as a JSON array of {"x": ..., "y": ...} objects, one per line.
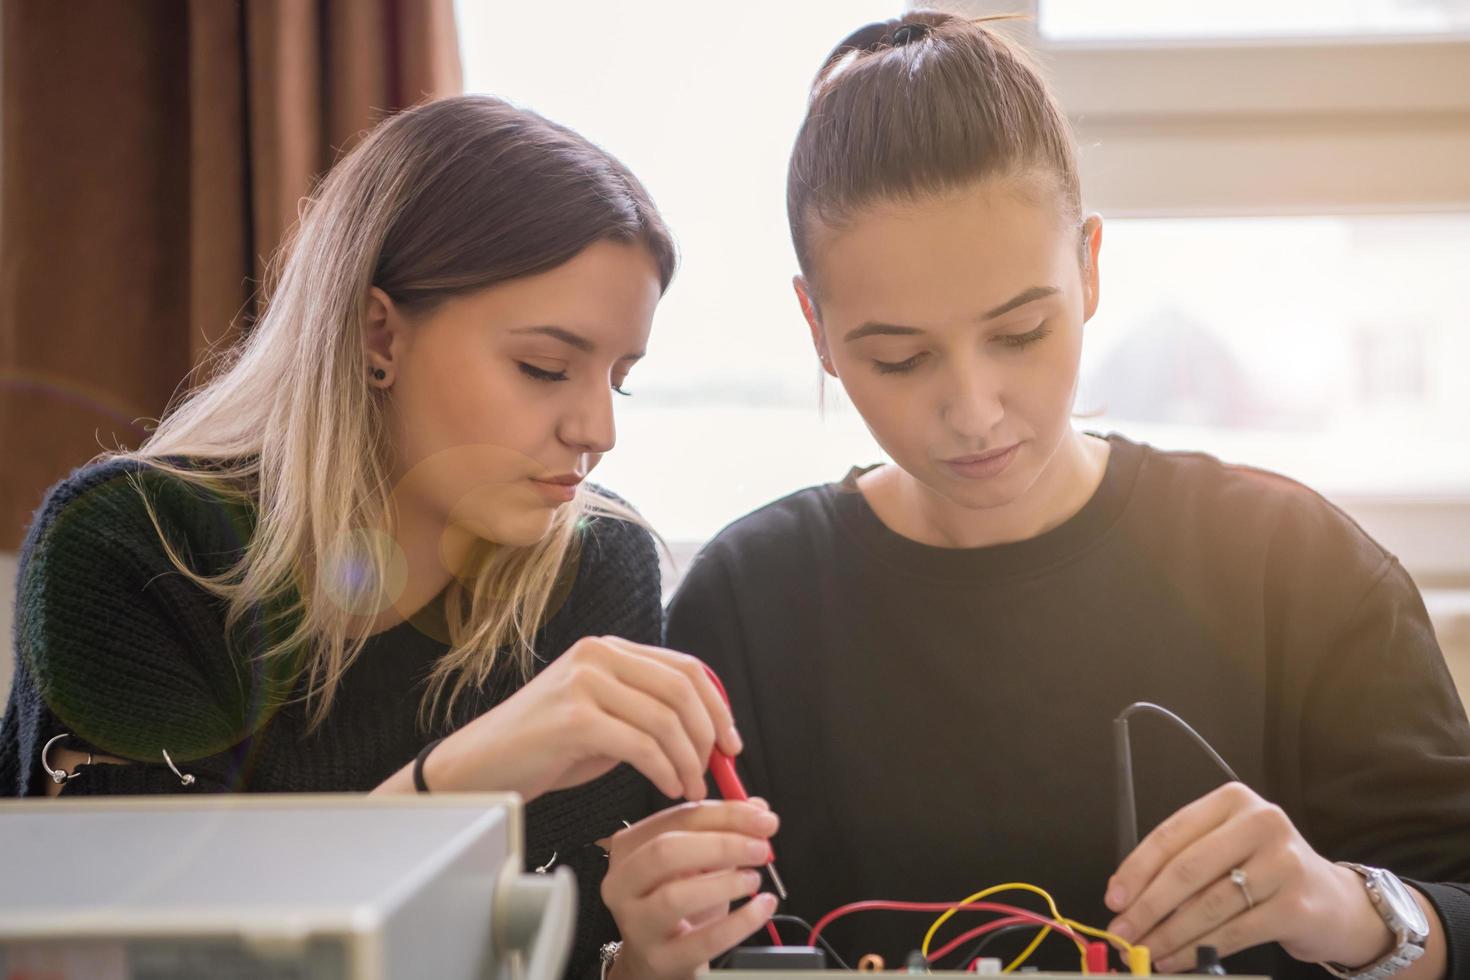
[
  {"x": 792, "y": 958},
  {"x": 1207, "y": 961}
]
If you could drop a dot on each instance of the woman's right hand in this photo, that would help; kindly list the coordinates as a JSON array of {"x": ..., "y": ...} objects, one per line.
[{"x": 604, "y": 701}]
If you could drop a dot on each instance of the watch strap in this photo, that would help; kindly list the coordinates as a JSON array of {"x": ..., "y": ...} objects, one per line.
[
  {"x": 1397, "y": 959},
  {"x": 1406, "y": 949}
]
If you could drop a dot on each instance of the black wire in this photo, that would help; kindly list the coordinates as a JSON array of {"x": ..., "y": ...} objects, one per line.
[
  {"x": 798, "y": 920},
  {"x": 1127, "y": 807},
  {"x": 984, "y": 941},
  {"x": 1188, "y": 729},
  {"x": 795, "y": 920}
]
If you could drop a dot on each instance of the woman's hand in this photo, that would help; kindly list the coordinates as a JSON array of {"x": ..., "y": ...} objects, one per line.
[
  {"x": 671, "y": 878},
  {"x": 604, "y": 701},
  {"x": 1174, "y": 892}
]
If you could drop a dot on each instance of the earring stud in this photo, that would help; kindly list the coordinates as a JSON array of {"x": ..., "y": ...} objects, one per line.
[{"x": 379, "y": 374}]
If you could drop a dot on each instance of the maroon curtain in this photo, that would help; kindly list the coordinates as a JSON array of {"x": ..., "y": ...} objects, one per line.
[{"x": 152, "y": 156}]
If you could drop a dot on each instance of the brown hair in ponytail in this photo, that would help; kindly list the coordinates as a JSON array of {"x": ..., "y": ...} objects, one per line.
[{"x": 924, "y": 105}]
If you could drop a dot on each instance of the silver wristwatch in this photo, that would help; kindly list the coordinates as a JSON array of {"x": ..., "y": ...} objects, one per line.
[{"x": 1404, "y": 918}]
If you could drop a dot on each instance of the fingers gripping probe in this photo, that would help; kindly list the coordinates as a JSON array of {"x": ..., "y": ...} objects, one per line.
[{"x": 722, "y": 767}]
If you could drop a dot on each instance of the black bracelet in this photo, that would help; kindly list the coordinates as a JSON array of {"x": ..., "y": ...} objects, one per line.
[{"x": 418, "y": 766}]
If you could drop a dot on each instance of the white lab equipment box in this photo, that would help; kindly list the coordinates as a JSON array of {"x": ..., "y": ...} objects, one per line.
[{"x": 277, "y": 887}]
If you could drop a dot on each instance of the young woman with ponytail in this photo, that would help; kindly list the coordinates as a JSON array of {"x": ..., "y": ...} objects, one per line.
[{"x": 926, "y": 657}]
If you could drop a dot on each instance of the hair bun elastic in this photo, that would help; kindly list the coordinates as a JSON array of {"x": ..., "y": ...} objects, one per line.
[{"x": 908, "y": 33}]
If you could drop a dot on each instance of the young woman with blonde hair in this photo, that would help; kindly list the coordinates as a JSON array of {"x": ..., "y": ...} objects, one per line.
[
  {"x": 363, "y": 556},
  {"x": 926, "y": 657}
]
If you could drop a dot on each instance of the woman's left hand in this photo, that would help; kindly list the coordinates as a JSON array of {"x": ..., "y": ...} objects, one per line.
[
  {"x": 1175, "y": 892},
  {"x": 671, "y": 878}
]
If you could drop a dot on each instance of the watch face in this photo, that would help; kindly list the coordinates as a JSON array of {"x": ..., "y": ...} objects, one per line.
[{"x": 1397, "y": 897}]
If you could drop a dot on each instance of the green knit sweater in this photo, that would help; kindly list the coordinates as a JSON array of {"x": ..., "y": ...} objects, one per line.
[{"x": 116, "y": 647}]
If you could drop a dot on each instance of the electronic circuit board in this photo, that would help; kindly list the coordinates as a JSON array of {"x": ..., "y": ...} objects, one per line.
[{"x": 813, "y": 974}]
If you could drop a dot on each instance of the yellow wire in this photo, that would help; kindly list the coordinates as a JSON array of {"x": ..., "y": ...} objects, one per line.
[
  {"x": 995, "y": 889},
  {"x": 1117, "y": 941},
  {"x": 1026, "y": 953}
]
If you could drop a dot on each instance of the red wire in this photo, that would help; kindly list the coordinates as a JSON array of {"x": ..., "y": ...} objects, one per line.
[
  {"x": 774, "y": 933},
  {"x": 872, "y": 906},
  {"x": 976, "y": 933}
]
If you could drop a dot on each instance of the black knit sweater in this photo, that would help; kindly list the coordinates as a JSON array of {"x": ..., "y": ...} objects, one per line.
[
  {"x": 930, "y": 720},
  {"x": 115, "y": 646}
]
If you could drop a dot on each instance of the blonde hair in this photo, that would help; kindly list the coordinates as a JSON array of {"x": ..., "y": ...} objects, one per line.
[{"x": 439, "y": 200}]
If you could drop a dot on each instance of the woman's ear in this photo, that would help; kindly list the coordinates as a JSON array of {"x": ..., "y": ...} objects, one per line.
[
  {"x": 813, "y": 322},
  {"x": 1091, "y": 245},
  {"x": 384, "y": 338}
]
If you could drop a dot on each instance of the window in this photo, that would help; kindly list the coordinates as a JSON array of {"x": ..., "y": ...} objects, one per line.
[
  {"x": 704, "y": 107},
  {"x": 1287, "y": 186},
  {"x": 1330, "y": 348},
  {"x": 1093, "y": 20}
]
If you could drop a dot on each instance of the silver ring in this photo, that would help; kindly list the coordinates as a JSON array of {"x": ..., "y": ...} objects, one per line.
[
  {"x": 1239, "y": 879},
  {"x": 58, "y": 776}
]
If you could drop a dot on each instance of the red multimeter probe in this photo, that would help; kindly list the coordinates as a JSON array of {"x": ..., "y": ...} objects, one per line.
[{"x": 722, "y": 767}]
